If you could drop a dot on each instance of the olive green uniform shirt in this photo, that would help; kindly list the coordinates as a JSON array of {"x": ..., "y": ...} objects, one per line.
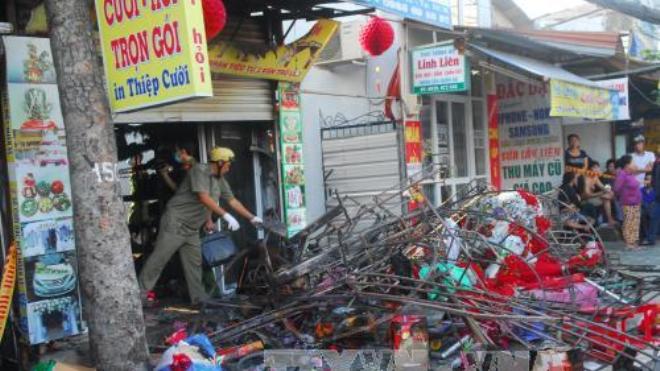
[{"x": 185, "y": 212}]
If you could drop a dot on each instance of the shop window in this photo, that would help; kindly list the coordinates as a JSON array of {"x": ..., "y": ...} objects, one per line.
[
  {"x": 479, "y": 134},
  {"x": 459, "y": 137},
  {"x": 442, "y": 121}
]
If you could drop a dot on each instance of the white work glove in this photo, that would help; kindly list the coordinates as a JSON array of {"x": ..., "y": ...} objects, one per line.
[
  {"x": 256, "y": 221},
  {"x": 231, "y": 221}
]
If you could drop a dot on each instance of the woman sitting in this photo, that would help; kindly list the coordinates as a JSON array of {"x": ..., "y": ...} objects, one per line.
[
  {"x": 595, "y": 195},
  {"x": 570, "y": 201}
]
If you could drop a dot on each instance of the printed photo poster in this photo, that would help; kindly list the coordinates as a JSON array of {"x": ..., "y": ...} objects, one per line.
[
  {"x": 54, "y": 319},
  {"x": 47, "y": 237},
  {"x": 42, "y": 209},
  {"x": 291, "y": 146},
  {"x": 531, "y": 152}
]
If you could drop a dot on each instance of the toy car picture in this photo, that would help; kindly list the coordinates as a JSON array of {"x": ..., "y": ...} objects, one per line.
[{"x": 53, "y": 280}]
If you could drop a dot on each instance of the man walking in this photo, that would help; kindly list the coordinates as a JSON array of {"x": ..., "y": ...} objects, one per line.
[{"x": 191, "y": 207}]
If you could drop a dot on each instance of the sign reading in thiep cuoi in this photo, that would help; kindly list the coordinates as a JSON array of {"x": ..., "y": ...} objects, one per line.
[
  {"x": 439, "y": 69},
  {"x": 154, "y": 51},
  {"x": 433, "y": 12}
]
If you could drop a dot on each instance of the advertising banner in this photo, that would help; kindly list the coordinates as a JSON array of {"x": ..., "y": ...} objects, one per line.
[
  {"x": 40, "y": 186},
  {"x": 433, "y": 12},
  {"x": 439, "y": 69},
  {"x": 530, "y": 146},
  {"x": 291, "y": 147},
  {"x": 621, "y": 105},
  {"x": 645, "y": 38},
  {"x": 414, "y": 148},
  {"x": 573, "y": 100},
  {"x": 285, "y": 63},
  {"x": 494, "y": 142},
  {"x": 154, "y": 52}
]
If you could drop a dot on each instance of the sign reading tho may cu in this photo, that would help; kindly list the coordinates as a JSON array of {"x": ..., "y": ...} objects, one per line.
[{"x": 154, "y": 51}]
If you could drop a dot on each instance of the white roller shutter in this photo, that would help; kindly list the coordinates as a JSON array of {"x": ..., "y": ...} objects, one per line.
[
  {"x": 362, "y": 162},
  {"x": 234, "y": 98}
]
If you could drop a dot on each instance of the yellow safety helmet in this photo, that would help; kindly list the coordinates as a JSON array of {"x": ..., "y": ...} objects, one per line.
[{"x": 221, "y": 154}]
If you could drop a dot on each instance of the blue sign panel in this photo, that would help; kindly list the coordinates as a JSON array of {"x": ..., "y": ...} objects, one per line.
[{"x": 433, "y": 12}]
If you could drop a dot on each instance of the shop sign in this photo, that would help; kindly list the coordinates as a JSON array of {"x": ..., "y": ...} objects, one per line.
[
  {"x": 574, "y": 100},
  {"x": 530, "y": 140},
  {"x": 291, "y": 149},
  {"x": 154, "y": 52},
  {"x": 285, "y": 63},
  {"x": 439, "y": 69},
  {"x": 40, "y": 189},
  {"x": 414, "y": 150},
  {"x": 494, "y": 142},
  {"x": 620, "y": 105},
  {"x": 434, "y": 12}
]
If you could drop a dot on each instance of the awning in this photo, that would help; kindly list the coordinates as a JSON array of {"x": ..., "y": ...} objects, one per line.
[
  {"x": 534, "y": 66},
  {"x": 570, "y": 94}
]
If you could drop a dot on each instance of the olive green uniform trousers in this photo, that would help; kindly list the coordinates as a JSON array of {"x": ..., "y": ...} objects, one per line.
[{"x": 173, "y": 237}]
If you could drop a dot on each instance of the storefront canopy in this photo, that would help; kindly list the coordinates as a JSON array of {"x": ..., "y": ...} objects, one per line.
[
  {"x": 534, "y": 66},
  {"x": 570, "y": 94}
]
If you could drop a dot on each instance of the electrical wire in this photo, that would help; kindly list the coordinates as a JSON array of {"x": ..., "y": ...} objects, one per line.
[{"x": 643, "y": 95}]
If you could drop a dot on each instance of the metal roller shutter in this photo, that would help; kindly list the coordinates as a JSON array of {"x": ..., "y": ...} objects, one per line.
[
  {"x": 234, "y": 98},
  {"x": 362, "y": 162}
]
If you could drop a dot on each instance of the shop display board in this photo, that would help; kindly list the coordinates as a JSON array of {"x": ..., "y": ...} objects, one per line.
[
  {"x": 291, "y": 149},
  {"x": 40, "y": 186},
  {"x": 439, "y": 68},
  {"x": 530, "y": 141},
  {"x": 154, "y": 52}
]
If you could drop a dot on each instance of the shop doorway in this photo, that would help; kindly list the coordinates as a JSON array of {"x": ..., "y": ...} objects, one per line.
[{"x": 458, "y": 144}]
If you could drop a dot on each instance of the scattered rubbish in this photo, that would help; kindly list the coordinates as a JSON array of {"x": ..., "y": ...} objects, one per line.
[{"x": 486, "y": 272}]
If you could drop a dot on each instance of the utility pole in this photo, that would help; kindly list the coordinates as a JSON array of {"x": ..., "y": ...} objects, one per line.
[
  {"x": 633, "y": 8},
  {"x": 111, "y": 303}
]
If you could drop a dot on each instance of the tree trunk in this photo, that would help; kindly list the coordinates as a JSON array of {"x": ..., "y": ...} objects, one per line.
[{"x": 111, "y": 300}]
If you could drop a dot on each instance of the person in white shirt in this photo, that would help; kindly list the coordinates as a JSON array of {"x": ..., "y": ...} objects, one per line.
[{"x": 642, "y": 160}]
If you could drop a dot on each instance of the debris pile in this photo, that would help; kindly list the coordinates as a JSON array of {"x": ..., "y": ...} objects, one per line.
[{"x": 490, "y": 271}]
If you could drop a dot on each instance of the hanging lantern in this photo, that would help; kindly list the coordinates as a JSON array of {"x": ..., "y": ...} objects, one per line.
[
  {"x": 215, "y": 17},
  {"x": 376, "y": 36}
]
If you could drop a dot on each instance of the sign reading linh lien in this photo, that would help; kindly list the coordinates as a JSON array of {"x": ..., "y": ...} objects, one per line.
[{"x": 154, "y": 51}]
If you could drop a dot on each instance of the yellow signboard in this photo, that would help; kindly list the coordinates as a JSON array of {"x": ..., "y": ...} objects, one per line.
[
  {"x": 574, "y": 100},
  {"x": 154, "y": 51},
  {"x": 285, "y": 63}
]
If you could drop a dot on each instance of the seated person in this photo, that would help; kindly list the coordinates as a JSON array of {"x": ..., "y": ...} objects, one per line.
[
  {"x": 570, "y": 201},
  {"x": 594, "y": 193}
]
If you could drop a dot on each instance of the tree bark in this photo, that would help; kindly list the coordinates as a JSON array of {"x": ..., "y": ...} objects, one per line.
[{"x": 111, "y": 299}]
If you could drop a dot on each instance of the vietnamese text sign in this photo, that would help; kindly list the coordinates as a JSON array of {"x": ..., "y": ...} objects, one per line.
[
  {"x": 573, "y": 100},
  {"x": 494, "y": 142},
  {"x": 291, "y": 146},
  {"x": 40, "y": 188},
  {"x": 285, "y": 63},
  {"x": 433, "y": 12},
  {"x": 154, "y": 51},
  {"x": 620, "y": 105},
  {"x": 439, "y": 69},
  {"x": 530, "y": 147},
  {"x": 413, "y": 145}
]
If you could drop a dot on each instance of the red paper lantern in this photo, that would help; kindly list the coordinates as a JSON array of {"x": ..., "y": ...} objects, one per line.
[
  {"x": 376, "y": 36},
  {"x": 215, "y": 17}
]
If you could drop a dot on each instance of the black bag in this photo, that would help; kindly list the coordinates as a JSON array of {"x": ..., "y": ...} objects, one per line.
[{"x": 217, "y": 249}]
